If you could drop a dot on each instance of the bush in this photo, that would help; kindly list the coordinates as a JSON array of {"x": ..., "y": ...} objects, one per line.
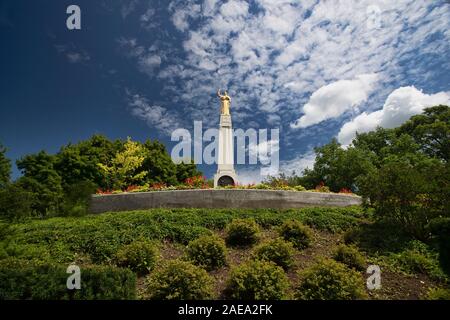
[
  {"x": 330, "y": 280},
  {"x": 15, "y": 203},
  {"x": 208, "y": 252},
  {"x": 295, "y": 232},
  {"x": 139, "y": 256},
  {"x": 101, "y": 236},
  {"x": 438, "y": 294},
  {"x": 242, "y": 232},
  {"x": 350, "y": 256},
  {"x": 440, "y": 228},
  {"x": 22, "y": 280},
  {"x": 299, "y": 188},
  {"x": 77, "y": 197},
  {"x": 408, "y": 191},
  {"x": 418, "y": 258},
  {"x": 179, "y": 280},
  {"x": 257, "y": 280},
  {"x": 278, "y": 251}
]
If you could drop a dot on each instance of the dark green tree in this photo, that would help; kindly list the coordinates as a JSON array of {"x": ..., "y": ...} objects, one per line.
[
  {"x": 409, "y": 190},
  {"x": 79, "y": 162},
  {"x": 42, "y": 180},
  {"x": 158, "y": 164},
  {"x": 431, "y": 131},
  {"x": 186, "y": 170},
  {"x": 16, "y": 203},
  {"x": 5, "y": 167},
  {"x": 337, "y": 167}
]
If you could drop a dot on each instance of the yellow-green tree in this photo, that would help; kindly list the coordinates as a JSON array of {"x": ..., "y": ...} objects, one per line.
[{"x": 123, "y": 169}]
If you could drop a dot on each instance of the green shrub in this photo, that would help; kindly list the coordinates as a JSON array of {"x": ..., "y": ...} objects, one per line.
[
  {"x": 278, "y": 251},
  {"x": 352, "y": 235},
  {"x": 408, "y": 191},
  {"x": 77, "y": 197},
  {"x": 438, "y": 294},
  {"x": 22, "y": 280},
  {"x": 99, "y": 237},
  {"x": 330, "y": 280},
  {"x": 139, "y": 256},
  {"x": 208, "y": 252},
  {"x": 299, "y": 188},
  {"x": 350, "y": 256},
  {"x": 418, "y": 258},
  {"x": 179, "y": 280},
  {"x": 15, "y": 203},
  {"x": 257, "y": 280},
  {"x": 242, "y": 232},
  {"x": 295, "y": 232},
  {"x": 440, "y": 228}
]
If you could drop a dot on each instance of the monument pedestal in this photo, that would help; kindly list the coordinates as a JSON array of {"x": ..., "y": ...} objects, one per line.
[{"x": 225, "y": 157}]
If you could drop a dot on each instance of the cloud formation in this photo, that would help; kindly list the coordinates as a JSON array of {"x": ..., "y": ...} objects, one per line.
[
  {"x": 156, "y": 116},
  {"x": 334, "y": 58},
  {"x": 332, "y": 100},
  {"x": 72, "y": 53},
  {"x": 400, "y": 105}
]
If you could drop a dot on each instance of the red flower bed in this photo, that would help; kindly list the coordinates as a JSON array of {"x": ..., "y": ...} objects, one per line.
[
  {"x": 345, "y": 190},
  {"x": 100, "y": 191},
  {"x": 198, "y": 182}
]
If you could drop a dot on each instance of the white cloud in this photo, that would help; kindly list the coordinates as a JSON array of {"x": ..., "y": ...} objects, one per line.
[
  {"x": 263, "y": 151},
  {"x": 272, "y": 55},
  {"x": 148, "y": 59},
  {"x": 234, "y": 8},
  {"x": 299, "y": 163},
  {"x": 332, "y": 100},
  {"x": 182, "y": 13},
  {"x": 156, "y": 116},
  {"x": 252, "y": 174},
  {"x": 72, "y": 53},
  {"x": 400, "y": 105},
  {"x": 128, "y": 8}
]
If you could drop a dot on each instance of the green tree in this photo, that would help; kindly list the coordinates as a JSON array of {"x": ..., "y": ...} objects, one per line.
[
  {"x": 43, "y": 181},
  {"x": 79, "y": 162},
  {"x": 15, "y": 203},
  {"x": 374, "y": 143},
  {"x": 431, "y": 131},
  {"x": 158, "y": 164},
  {"x": 5, "y": 167},
  {"x": 125, "y": 168},
  {"x": 337, "y": 167},
  {"x": 408, "y": 190},
  {"x": 186, "y": 170}
]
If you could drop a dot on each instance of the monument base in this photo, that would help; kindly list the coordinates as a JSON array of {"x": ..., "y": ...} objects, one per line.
[{"x": 225, "y": 178}]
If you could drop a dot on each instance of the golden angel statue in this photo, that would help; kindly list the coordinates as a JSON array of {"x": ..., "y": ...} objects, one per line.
[{"x": 225, "y": 102}]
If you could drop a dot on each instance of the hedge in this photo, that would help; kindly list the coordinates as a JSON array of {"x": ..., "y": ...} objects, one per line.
[{"x": 24, "y": 280}]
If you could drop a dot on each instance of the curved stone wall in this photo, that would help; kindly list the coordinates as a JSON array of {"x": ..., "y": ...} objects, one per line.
[{"x": 219, "y": 198}]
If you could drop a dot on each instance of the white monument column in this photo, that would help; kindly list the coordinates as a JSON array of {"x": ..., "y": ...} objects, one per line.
[{"x": 225, "y": 157}]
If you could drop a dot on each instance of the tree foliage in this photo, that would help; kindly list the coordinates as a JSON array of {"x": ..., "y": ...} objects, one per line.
[
  {"x": 5, "y": 167},
  {"x": 61, "y": 184},
  {"x": 79, "y": 162},
  {"x": 123, "y": 169},
  {"x": 41, "y": 179},
  {"x": 431, "y": 131},
  {"x": 402, "y": 172}
]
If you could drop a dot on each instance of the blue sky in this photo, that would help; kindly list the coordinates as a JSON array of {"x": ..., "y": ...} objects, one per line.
[{"x": 313, "y": 69}]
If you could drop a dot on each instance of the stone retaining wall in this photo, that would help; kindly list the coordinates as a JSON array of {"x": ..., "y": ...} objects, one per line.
[{"x": 222, "y": 198}]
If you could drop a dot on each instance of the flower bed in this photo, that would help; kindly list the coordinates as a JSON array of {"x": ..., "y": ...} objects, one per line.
[{"x": 200, "y": 182}]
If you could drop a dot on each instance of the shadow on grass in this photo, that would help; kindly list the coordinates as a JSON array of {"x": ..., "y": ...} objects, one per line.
[{"x": 378, "y": 237}]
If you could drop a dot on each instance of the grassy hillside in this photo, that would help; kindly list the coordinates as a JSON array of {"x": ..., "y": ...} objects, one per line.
[{"x": 410, "y": 268}]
